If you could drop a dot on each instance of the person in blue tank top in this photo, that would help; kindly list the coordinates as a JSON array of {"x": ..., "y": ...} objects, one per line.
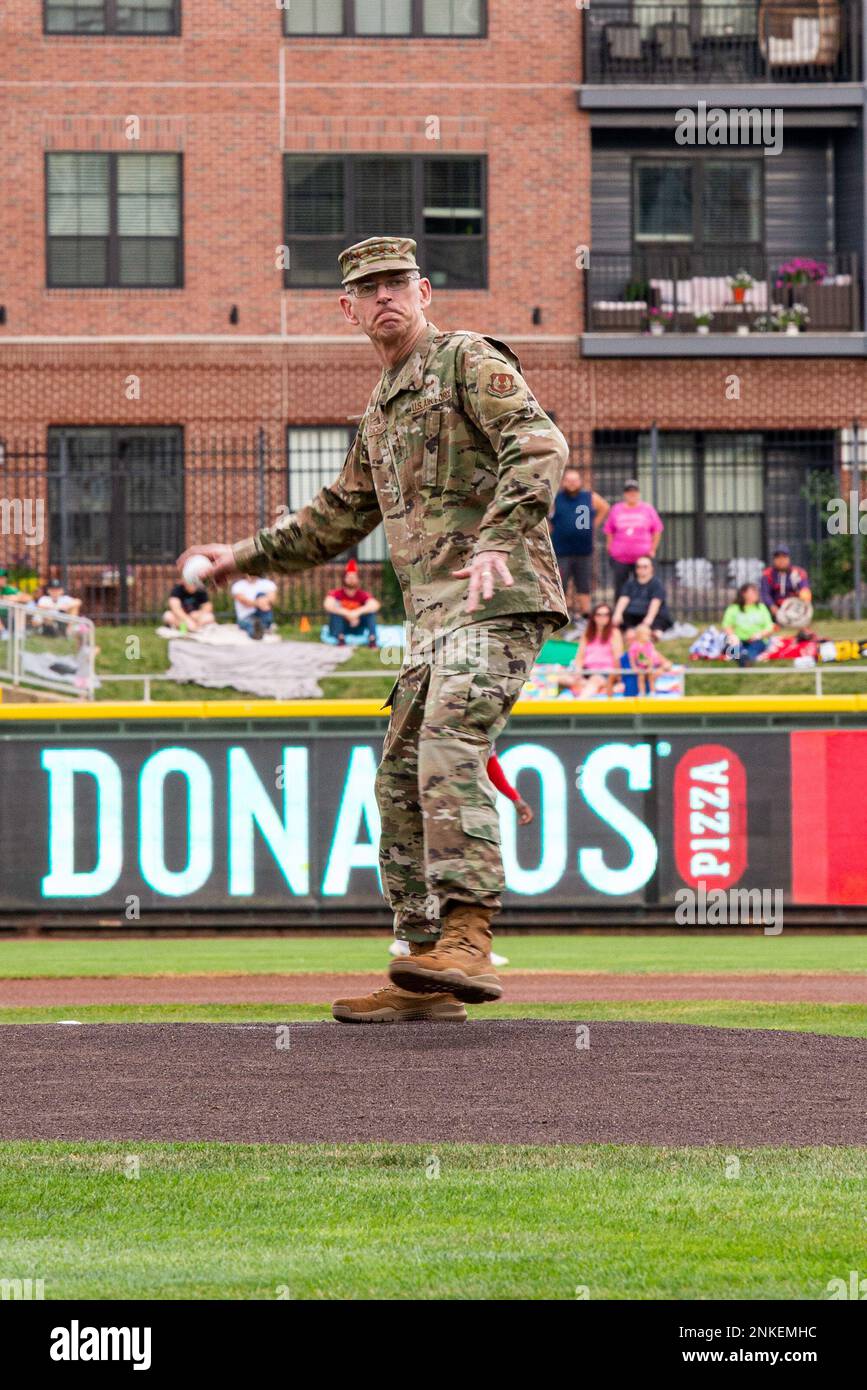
[{"x": 576, "y": 514}]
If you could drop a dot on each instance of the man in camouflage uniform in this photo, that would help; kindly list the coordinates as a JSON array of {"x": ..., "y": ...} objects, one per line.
[{"x": 458, "y": 460}]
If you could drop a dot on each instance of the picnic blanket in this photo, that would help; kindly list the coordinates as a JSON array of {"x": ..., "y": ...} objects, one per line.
[{"x": 225, "y": 656}]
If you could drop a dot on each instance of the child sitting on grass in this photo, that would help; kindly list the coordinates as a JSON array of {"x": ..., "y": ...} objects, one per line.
[{"x": 644, "y": 659}]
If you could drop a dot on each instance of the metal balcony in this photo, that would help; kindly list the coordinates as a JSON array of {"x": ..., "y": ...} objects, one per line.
[{"x": 633, "y": 42}]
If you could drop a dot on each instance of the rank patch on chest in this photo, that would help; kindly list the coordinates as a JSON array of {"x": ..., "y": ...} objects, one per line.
[
  {"x": 428, "y": 402},
  {"x": 502, "y": 384}
]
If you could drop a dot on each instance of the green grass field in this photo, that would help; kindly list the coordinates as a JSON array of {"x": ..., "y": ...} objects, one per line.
[
  {"x": 367, "y": 1221},
  {"x": 840, "y": 1020},
  {"x": 654, "y": 952},
  {"x": 148, "y": 653},
  {"x": 445, "y": 1221}
]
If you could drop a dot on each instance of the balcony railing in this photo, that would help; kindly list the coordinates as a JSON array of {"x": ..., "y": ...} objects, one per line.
[
  {"x": 678, "y": 290},
  {"x": 637, "y": 41}
]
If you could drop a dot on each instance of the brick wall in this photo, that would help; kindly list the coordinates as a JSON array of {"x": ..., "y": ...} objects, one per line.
[{"x": 231, "y": 95}]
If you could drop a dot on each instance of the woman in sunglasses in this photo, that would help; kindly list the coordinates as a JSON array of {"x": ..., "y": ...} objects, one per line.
[{"x": 596, "y": 667}]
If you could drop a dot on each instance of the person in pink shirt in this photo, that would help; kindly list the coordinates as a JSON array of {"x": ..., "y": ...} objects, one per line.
[
  {"x": 644, "y": 659},
  {"x": 632, "y": 528},
  {"x": 597, "y": 660}
]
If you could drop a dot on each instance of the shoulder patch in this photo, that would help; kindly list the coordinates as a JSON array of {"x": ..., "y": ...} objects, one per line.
[{"x": 502, "y": 384}]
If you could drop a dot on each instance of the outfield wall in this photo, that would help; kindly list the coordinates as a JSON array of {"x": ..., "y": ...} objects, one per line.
[{"x": 266, "y": 812}]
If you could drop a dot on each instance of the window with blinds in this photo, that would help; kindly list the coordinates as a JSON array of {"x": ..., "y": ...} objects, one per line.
[
  {"x": 698, "y": 202},
  {"x": 114, "y": 220},
  {"x": 315, "y": 456},
  {"x": 386, "y": 18},
  {"x": 334, "y": 201},
  {"x": 142, "y": 17}
]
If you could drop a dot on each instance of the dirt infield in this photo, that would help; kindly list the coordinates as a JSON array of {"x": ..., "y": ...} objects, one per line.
[
  {"x": 521, "y": 987},
  {"x": 501, "y": 1081}
]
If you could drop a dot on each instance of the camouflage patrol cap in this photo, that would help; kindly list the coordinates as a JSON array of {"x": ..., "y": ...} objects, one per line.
[{"x": 376, "y": 254}]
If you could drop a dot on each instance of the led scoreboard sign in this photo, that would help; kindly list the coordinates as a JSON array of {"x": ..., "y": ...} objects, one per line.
[{"x": 217, "y": 823}]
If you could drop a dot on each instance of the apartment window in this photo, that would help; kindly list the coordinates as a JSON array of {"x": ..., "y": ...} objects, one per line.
[
  {"x": 157, "y": 17},
  {"x": 386, "y": 18},
  {"x": 721, "y": 495},
  {"x": 121, "y": 499},
  {"x": 334, "y": 201},
  {"x": 697, "y": 202},
  {"x": 710, "y": 493},
  {"x": 315, "y": 456},
  {"x": 114, "y": 220}
]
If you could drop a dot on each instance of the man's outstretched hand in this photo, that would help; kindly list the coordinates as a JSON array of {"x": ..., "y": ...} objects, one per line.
[
  {"x": 484, "y": 571},
  {"x": 222, "y": 557}
]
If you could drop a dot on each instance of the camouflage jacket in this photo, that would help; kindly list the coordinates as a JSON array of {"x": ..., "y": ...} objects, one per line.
[{"x": 454, "y": 456}]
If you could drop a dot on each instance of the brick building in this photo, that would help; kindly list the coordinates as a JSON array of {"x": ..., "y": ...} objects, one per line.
[{"x": 179, "y": 178}]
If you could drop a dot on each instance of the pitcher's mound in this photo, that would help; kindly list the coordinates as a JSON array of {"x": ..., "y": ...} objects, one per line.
[{"x": 505, "y": 1081}]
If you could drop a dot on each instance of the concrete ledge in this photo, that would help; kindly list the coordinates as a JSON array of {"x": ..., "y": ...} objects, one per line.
[
  {"x": 671, "y": 96},
  {"x": 723, "y": 345}
]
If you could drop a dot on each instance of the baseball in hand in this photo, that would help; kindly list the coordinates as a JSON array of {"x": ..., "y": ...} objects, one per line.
[{"x": 197, "y": 569}]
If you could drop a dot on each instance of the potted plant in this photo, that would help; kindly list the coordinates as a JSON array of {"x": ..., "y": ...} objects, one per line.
[
  {"x": 794, "y": 318},
  {"x": 702, "y": 320},
  {"x": 659, "y": 320},
  {"x": 637, "y": 291},
  {"x": 799, "y": 271},
  {"x": 768, "y": 323},
  {"x": 740, "y": 283}
]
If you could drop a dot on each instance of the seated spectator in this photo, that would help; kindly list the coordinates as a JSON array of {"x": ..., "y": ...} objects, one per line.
[
  {"x": 254, "y": 605},
  {"x": 748, "y": 625},
  {"x": 54, "y": 600},
  {"x": 190, "y": 609},
  {"x": 597, "y": 660},
  {"x": 9, "y": 593},
  {"x": 642, "y": 600},
  {"x": 633, "y": 528},
  {"x": 782, "y": 580},
  {"x": 351, "y": 609},
  {"x": 644, "y": 659}
]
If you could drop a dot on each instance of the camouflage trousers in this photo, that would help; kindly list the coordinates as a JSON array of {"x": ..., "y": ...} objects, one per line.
[{"x": 440, "y": 832}]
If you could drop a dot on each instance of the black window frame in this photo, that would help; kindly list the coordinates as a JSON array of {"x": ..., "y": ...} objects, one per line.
[
  {"x": 112, "y": 257},
  {"x": 787, "y": 459},
  {"x": 349, "y": 236},
  {"x": 110, "y": 28},
  {"x": 697, "y": 164},
  {"x": 416, "y": 30},
  {"x": 119, "y": 532}
]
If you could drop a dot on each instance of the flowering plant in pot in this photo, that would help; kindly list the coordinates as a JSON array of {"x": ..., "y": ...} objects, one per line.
[
  {"x": 794, "y": 318},
  {"x": 768, "y": 323},
  {"x": 702, "y": 320},
  {"x": 660, "y": 319},
  {"x": 740, "y": 282},
  {"x": 799, "y": 270}
]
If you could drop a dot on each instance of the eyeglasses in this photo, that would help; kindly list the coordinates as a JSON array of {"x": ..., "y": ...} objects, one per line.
[
  {"x": 602, "y": 613},
  {"x": 368, "y": 288}
]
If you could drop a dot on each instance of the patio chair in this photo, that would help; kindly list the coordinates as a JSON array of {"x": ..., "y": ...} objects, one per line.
[
  {"x": 622, "y": 50},
  {"x": 804, "y": 34},
  {"x": 672, "y": 45}
]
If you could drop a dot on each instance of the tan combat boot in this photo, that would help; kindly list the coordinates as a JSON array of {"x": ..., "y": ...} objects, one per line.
[
  {"x": 460, "y": 961},
  {"x": 393, "y": 1005}
]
